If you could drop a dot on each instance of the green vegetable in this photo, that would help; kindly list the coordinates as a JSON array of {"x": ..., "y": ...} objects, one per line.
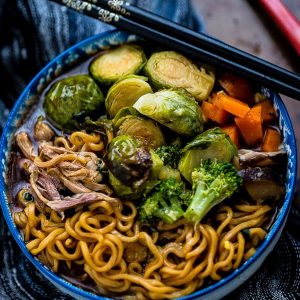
[
  {"x": 129, "y": 161},
  {"x": 123, "y": 114},
  {"x": 124, "y": 191},
  {"x": 166, "y": 172},
  {"x": 169, "y": 69},
  {"x": 101, "y": 125},
  {"x": 167, "y": 201},
  {"x": 144, "y": 129},
  {"x": 213, "y": 182},
  {"x": 175, "y": 109},
  {"x": 213, "y": 143},
  {"x": 116, "y": 63},
  {"x": 170, "y": 155},
  {"x": 70, "y": 97},
  {"x": 125, "y": 92}
]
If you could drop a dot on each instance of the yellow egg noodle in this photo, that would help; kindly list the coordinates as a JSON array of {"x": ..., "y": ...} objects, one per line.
[{"x": 106, "y": 244}]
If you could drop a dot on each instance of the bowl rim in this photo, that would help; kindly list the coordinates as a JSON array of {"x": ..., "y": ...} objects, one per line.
[{"x": 75, "y": 290}]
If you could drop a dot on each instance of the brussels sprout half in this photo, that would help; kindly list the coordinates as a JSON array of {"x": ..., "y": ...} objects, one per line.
[
  {"x": 69, "y": 97},
  {"x": 213, "y": 143},
  {"x": 116, "y": 63},
  {"x": 174, "y": 108},
  {"x": 145, "y": 130},
  {"x": 124, "y": 191},
  {"x": 125, "y": 92},
  {"x": 169, "y": 69},
  {"x": 123, "y": 114},
  {"x": 129, "y": 161}
]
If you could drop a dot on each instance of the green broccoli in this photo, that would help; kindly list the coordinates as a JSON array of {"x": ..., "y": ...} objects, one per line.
[
  {"x": 167, "y": 201},
  {"x": 213, "y": 182},
  {"x": 170, "y": 155}
]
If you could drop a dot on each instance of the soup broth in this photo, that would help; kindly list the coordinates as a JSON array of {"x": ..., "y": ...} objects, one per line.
[{"x": 150, "y": 176}]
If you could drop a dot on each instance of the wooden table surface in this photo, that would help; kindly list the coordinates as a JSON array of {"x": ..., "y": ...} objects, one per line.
[{"x": 245, "y": 25}]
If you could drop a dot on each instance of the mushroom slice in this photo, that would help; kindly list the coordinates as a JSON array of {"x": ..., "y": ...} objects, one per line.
[
  {"x": 256, "y": 158},
  {"x": 263, "y": 183},
  {"x": 25, "y": 145},
  {"x": 42, "y": 131}
]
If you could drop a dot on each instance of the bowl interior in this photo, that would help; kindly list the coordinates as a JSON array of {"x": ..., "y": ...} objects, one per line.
[{"x": 63, "y": 63}]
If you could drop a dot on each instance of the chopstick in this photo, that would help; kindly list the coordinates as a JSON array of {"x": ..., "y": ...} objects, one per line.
[
  {"x": 285, "y": 82},
  {"x": 285, "y": 20},
  {"x": 196, "y": 38}
]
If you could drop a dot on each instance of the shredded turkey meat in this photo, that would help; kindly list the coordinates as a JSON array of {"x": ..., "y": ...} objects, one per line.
[
  {"x": 56, "y": 169},
  {"x": 80, "y": 199}
]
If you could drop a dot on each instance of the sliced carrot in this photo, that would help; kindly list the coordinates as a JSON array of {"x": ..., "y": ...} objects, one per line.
[
  {"x": 272, "y": 140},
  {"x": 267, "y": 111},
  {"x": 214, "y": 113},
  {"x": 232, "y": 105},
  {"x": 236, "y": 87},
  {"x": 250, "y": 126},
  {"x": 233, "y": 133}
]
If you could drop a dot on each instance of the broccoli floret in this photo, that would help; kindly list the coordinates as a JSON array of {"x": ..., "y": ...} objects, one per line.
[
  {"x": 167, "y": 201},
  {"x": 213, "y": 182},
  {"x": 170, "y": 155}
]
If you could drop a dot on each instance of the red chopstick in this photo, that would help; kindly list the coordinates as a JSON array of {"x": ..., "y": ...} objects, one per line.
[{"x": 285, "y": 20}]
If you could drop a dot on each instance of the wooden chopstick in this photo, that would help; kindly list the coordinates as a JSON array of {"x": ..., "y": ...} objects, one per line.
[
  {"x": 286, "y": 82},
  {"x": 196, "y": 38}
]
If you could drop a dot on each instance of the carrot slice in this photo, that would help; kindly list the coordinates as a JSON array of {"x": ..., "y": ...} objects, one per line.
[
  {"x": 272, "y": 140},
  {"x": 233, "y": 133},
  {"x": 236, "y": 87},
  {"x": 267, "y": 111},
  {"x": 232, "y": 105},
  {"x": 250, "y": 126},
  {"x": 214, "y": 113}
]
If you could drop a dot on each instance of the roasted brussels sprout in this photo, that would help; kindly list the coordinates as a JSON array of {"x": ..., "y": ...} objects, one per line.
[
  {"x": 101, "y": 125},
  {"x": 129, "y": 161},
  {"x": 169, "y": 69},
  {"x": 213, "y": 143},
  {"x": 174, "y": 108},
  {"x": 123, "y": 114},
  {"x": 116, "y": 63},
  {"x": 124, "y": 191},
  {"x": 69, "y": 97},
  {"x": 143, "y": 129},
  {"x": 125, "y": 92}
]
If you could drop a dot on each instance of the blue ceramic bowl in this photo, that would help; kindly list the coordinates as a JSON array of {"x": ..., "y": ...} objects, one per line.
[{"x": 70, "y": 58}]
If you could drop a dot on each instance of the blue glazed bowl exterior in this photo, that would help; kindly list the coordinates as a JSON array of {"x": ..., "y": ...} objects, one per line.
[{"x": 70, "y": 58}]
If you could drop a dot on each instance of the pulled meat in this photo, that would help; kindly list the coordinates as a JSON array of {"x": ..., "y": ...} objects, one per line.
[
  {"x": 57, "y": 169},
  {"x": 79, "y": 200},
  {"x": 25, "y": 145}
]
